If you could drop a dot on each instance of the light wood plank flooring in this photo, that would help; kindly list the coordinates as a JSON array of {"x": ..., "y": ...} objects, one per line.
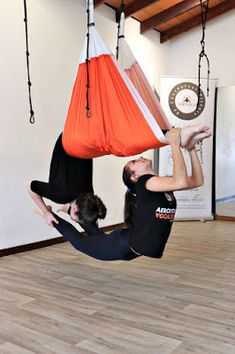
[
  {"x": 56, "y": 300},
  {"x": 227, "y": 208}
]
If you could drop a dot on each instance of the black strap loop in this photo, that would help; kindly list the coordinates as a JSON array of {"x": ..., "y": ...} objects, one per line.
[
  {"x": 121, "y": 9},
  {"x": 31, "y": 119},
  {"x": 88, "y": 111},
  {"x": 203, "y": 54}
]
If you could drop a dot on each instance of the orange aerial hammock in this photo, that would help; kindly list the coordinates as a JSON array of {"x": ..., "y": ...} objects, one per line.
[{"x": 106, "y": 114}]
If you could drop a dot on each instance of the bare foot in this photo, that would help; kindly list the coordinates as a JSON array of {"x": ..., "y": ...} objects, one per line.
[
  {"x": 198, "y": 137},
  {"x": 193, "y": 134},
  {"x": 64, "y": 208}
]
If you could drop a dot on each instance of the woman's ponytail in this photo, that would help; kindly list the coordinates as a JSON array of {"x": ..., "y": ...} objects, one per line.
[{"x": 130, "y": 198}]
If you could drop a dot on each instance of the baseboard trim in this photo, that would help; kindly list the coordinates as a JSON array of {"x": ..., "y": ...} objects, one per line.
[
  {"x": 224, "y": 217},
  {"x": 46, "y": 243}
]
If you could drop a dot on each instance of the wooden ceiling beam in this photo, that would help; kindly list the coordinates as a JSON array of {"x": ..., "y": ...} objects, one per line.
[
  {"x": 98, "y": 2},
  {"x": 168, "y": 14},
  {"x": 136, "y": 6},
  {"x": 196, "y": 20}
]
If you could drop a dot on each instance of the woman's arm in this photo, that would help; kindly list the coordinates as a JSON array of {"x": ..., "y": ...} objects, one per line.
[
  {"x": 45, "y": 211},
  {"x": 179, "y": 179},
  {"x": 196, "y": 179},
  {"x": 68, "y": 231}
]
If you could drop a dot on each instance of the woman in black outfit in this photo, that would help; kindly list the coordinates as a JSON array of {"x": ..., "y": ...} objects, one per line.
[{"x": 149, "y": 210}]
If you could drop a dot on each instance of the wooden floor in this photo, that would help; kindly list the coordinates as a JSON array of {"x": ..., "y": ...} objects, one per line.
[
  {"x": 227, "y": 208},
  {"x": 56, "y": 300}
]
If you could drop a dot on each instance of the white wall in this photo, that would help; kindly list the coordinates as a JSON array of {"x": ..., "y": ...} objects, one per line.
[
  {"x": 219, "y": 47},
  {"x": 225, "y": 143},
  {"x": 56, "y": 33}
]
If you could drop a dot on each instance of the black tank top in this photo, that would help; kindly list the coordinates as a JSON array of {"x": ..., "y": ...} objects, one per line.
[{"x": 153, "y": 218}]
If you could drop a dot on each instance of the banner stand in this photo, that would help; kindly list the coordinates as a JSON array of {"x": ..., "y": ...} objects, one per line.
[{"x": 179, "y": 101}]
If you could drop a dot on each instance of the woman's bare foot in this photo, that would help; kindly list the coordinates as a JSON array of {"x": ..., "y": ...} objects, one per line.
[
  {"x": 64, "y": 208},
  {"x": 192, "y": 134},
  {"x": 198, "y": 137}
]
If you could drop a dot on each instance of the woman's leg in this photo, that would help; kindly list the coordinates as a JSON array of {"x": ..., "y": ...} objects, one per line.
[
  {"x": 69, "y": 173},
  {"x": 68, "y": 177}
]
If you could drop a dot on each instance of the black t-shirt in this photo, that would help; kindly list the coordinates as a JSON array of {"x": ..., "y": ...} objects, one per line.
[
  {"x": 68, "y": 177},
  {"x": 153, "y": 218}
]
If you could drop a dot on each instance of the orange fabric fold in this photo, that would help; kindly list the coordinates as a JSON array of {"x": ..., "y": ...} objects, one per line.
[
  {"x": 116, "y": 125},
  {"x": 143, "y": 87}
]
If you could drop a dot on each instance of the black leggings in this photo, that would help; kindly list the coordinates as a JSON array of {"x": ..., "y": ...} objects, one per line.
[
  {"x": 97, "y": 244},
  {"x": 68, "y": 177}
]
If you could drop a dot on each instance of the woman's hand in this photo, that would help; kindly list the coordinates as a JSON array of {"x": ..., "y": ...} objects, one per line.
[
  {"x": 50, "y": 218},
  {"x": 47, "y": 216},
  {"x": 173, "y": 136},
  {"x": 41, "y": 213}
]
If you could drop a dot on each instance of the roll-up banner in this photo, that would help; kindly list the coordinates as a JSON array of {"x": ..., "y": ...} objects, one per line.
[{"x": 179, "y": 101}]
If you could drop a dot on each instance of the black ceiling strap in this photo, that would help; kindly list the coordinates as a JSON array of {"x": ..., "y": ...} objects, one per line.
[{"x": 31, "y": 119}]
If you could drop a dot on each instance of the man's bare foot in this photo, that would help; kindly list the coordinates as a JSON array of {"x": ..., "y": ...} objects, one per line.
[{"x": 191, "y": 135}]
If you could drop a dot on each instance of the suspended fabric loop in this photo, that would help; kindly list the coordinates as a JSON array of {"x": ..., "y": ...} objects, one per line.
[
  {"x": 121, "y": 123},
  {"x": 138, "y": 78}
]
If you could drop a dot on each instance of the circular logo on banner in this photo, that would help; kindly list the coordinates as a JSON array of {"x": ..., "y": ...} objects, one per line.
[{"x": 183, "y": 100}]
